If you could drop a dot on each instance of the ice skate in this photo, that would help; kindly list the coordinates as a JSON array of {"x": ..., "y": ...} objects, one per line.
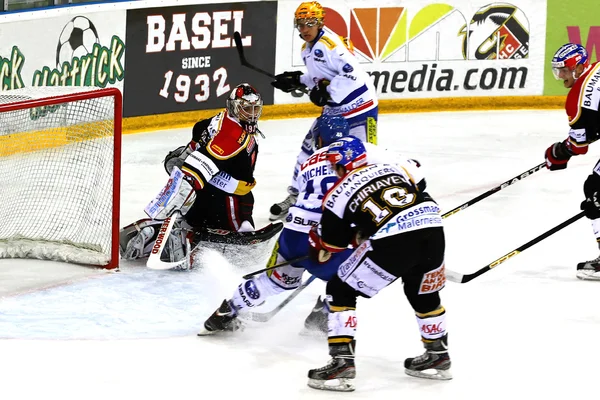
[
  {"x": 224, "y": 319},
  {"x": 589, "y": 270},
  {"x": 280, "y": 210},
  {"x": 338, "y": 375},
  {"x": 433, "y": 364},
  {"x": 316, "y": 322}
]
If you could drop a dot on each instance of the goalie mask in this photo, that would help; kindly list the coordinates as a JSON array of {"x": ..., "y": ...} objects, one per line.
[{"x": 245, "y": 105}]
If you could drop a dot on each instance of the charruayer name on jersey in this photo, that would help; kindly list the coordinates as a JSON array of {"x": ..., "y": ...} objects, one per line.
[{"x": 343, "y": 192}]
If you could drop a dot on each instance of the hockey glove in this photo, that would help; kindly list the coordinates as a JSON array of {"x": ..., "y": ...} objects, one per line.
[
  {"x": 557, "y": 156},
  {"x": 316, "y": 251},
  {"x": 319, "y": 94},
  {"x": 288, "y": 81},
  {"x": 591, "y": 204}
]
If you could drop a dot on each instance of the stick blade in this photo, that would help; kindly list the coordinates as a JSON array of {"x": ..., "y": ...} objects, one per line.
[{"x": 454, "y": 276}]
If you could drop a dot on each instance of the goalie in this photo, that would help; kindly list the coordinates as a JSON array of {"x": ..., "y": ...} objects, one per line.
[{"x": 210, "y": 181}]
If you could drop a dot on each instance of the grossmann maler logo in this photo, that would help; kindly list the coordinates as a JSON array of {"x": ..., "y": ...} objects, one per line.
[{"x": 433, "y": 33}]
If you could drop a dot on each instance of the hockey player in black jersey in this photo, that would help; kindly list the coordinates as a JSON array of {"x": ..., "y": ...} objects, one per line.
[{"x": 397, "y": 232}]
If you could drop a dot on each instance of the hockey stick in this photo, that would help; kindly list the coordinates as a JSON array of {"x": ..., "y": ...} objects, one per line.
[
  {"x": 237, "y": 38},
  {"x": 293, "y": 260},
  {"x": 154, "y": 261},
  {"x": 495, "y": 190},
  {"x": 464, "y": 278},
  {"x": 264, "y": 317}
]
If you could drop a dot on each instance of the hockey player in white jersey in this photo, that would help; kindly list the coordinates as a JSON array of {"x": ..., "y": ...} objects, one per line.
[
  {"x": 336, "y": 81},
  {"x": 399, "y": 228}
]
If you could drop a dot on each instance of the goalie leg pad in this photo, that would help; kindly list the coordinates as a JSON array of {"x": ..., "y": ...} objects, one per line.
[{"x": 135, "y": 240}]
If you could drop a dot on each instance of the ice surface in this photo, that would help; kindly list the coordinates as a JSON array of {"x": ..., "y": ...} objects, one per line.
[{"x": 526, "y": 329}]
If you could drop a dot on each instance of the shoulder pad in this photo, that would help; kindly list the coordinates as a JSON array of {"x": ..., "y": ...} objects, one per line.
[
  {"x": 228, "y": 141},
  {"x": 327, "y": 42}
]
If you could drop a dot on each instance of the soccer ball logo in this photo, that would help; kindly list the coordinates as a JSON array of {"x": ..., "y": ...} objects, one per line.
[{"x": 77, "y": 39}]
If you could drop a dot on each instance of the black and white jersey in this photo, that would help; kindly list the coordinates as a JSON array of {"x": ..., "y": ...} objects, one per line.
[{"x": 378, "y": 200}]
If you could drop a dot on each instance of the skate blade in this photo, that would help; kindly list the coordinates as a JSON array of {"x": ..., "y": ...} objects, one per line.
[
  {"x": 587, "y": 275},
  {"x": 432, "y": 373},
  {"x": 336, "y": 385},
  {"x": 274, "y": 217},
  {"x": 206, "y": 332}
]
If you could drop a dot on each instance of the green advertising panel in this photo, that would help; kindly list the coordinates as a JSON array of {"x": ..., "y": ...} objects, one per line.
[{"x": 570, "y": 23}]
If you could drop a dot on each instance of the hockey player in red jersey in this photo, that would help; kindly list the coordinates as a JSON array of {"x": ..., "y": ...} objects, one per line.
[
  {"x": 571, "y": 65},
  {"x": 396, "y": 230},
  {"x": 210, "y": 179}
]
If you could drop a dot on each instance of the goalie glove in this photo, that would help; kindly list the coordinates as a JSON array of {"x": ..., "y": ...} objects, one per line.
[{"x": 316, "y": 250}]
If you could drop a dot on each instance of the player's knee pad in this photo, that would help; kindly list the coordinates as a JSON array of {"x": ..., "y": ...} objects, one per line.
[
  {"x": 253, "y": 292},
  {"x": 432, "y": 324},
  {"x": 286, "y": 277}
]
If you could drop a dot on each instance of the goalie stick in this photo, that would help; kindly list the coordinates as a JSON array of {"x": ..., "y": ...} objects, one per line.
[
  {"x": 266, "y": 316},
  {"x": 237, "y": 38},
  {"x": 464, "y": 278},
  {"x": 205, "y": 235},
  {"x": 154, "y": 261}
]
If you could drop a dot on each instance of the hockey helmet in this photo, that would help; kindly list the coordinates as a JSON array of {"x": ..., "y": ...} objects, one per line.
[
  {"x": 309, "y": 13},
  {"x": 327, "y": 129},
  {"x": 348, "y": 152},
  {"x": 568, "y": 57},
  {"x": 245, "y": 105}
]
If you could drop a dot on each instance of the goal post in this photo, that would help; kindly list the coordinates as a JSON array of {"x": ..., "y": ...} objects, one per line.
[{"x": 60, "y": 168}]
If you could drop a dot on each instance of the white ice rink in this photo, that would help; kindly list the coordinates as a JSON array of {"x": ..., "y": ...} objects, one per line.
[{"x": 525, "y": 330}]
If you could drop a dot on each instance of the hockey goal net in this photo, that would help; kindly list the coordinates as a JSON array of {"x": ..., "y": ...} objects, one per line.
[{"x": 60, "y": 153}]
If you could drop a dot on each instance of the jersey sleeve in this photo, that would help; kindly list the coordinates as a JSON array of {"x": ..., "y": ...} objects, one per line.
[
  {"x": 583, "y": 131},
  {"x": 346, "y": 83},
  {"x": 336, "y": 234}
]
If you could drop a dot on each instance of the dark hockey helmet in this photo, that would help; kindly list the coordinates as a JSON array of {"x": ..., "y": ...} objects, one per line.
[
  {"x": 327, "y": 129},
  {"x": 348, "y": 152},
  {"x": 245, "y": 105}
]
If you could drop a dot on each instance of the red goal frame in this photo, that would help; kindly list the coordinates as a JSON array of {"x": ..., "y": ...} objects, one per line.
[{"x": 118, "y": 116}]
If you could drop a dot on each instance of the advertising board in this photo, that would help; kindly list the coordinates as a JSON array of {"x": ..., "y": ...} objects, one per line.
[
  {"x": 569, "y": 23},
  {"x": 184, "y": 58},
  {"x": 84, "y": 49},
  {"x": 420, "y": 50}
]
